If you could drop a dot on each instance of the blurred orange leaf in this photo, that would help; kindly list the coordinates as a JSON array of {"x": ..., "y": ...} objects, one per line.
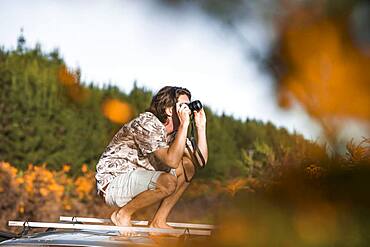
[
  {"x": 117, "y": 111},
  {"x": 235, "y": 185},
  {"x": 323, "y": 70}
]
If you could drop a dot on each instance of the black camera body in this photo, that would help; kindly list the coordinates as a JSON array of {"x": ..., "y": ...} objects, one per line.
[{"x": 196, "y": 105}]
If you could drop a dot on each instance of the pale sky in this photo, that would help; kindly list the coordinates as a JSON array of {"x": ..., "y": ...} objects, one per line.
[{"x": 121, "y": 41}]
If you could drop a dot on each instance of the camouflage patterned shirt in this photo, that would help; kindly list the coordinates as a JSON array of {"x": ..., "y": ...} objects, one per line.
[{"x": 132, "y": 147}]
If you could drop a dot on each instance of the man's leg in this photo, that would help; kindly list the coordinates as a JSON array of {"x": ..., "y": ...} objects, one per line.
[
  {"x": 166, "y": 185},
  {"x": 169, "y": 202}
]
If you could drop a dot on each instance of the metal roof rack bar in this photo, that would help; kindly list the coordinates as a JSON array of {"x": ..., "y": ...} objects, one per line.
[
  {"x": 109, "y": 228},
  {"x": 135, "y": 222}
]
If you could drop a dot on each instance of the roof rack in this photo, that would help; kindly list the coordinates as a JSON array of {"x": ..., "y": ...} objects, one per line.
[
  {"x": 136, "y": 222},
  {"x": 73, "y": 225},
  {"x": 6, "y": 235}
]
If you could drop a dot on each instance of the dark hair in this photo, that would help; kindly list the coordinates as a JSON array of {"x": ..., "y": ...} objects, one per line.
[{"x": 166, "y": 97}]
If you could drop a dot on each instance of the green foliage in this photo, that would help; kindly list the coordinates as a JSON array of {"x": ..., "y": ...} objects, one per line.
[
  {"x": 140, "y": 98},
  {"x": 41, "y": 122}
]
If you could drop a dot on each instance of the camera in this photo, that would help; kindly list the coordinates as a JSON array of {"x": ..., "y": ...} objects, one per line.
[{"x": 196, "y": 105}]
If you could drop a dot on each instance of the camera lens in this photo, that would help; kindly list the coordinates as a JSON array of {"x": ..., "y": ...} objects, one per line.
[{"x": 196, "y": 105}]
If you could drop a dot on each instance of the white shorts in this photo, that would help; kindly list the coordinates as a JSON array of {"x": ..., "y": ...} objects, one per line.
[{"x": 128, "y": 185}]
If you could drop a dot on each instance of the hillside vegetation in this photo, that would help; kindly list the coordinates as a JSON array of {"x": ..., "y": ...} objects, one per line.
[
  {"x": 48, "y": 115},
  {"x": 262, "y": 185}
]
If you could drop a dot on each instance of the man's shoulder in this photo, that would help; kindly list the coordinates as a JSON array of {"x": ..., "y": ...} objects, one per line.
[
  {"x": 149, "y": 116},
  {"x": 147, "y": 120}
]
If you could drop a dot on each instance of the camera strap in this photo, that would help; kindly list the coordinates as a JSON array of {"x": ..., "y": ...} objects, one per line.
[{"x": 193, "y": 153}]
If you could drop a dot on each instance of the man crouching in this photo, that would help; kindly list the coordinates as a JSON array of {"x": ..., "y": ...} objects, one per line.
[{"x": 147, "y": 160}]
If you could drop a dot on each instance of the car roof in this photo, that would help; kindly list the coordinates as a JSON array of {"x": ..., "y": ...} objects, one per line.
[{"x": 94, "y": 238}]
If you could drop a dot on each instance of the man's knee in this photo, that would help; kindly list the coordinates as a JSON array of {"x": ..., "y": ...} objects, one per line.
[
  {"x": 167, "y": 183},
  {"x": 189, "y": 168}
]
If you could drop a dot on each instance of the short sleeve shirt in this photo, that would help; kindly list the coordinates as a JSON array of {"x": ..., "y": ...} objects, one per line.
[{"x": 132, "y": 147}]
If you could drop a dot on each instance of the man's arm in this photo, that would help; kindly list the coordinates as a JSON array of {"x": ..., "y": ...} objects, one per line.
[
  {"x": 200, "y": 122},
  {"x": 202, "y": 145},
  {"x": 172, "y": 155}
]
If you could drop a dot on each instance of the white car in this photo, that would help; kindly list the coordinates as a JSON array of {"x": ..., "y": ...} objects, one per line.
[{"x": 73, "y": 231}]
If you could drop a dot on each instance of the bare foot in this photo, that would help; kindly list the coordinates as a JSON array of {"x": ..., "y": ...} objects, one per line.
[
  {"x": 163, "y": 225},
  {"x": 157, "y": 224},
  {"x": 120, "y": 218}
]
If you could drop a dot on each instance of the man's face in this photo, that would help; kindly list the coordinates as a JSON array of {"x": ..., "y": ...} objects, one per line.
[{"x": 181, "y": 100}]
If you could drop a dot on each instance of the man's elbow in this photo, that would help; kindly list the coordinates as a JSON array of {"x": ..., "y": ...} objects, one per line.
[{"x": 173, "y": 163}]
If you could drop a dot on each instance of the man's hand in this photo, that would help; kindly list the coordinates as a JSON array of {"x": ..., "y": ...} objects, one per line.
[
  {"x": 183, "y": 113},
  {"x": 200, "y": 119}
]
